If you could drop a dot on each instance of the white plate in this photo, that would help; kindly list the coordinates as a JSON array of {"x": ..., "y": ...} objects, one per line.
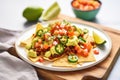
[{"x": 104, "y": 51}]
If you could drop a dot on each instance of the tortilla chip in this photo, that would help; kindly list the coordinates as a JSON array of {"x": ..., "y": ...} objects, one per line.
[
  {"x": 89, "y": 58},
  {"x": 63, "y": 62},
  {"x": 50, "y": 59},
  {"x": 38, "y": 27},
  {"x": 34, "y": 59},
  {"x": 54, "y": 59},
  {"x": 27, "y": 41},
  {"x": 23, "y": 43}
]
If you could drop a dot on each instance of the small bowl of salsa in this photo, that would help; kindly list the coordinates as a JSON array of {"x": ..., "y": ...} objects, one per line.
[{"x": 86, "y": 9}]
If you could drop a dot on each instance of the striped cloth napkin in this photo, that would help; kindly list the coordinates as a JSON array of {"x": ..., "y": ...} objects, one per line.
[{"x": 11, "y": 67}]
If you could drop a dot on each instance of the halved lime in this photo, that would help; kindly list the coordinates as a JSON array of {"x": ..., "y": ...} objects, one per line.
[
  {"x": 98, "y": 39},
  {"x": 52, "y": 12}
]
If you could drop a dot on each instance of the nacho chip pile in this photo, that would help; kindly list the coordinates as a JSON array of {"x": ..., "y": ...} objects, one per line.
[{"x": 62, "y": 43}]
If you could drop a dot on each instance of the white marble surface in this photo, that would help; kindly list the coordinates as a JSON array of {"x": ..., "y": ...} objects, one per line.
[{"x": 11, "y": 17}]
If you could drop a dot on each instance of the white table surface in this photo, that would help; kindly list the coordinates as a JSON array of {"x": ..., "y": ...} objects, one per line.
[{"x": 11, "y": 17}]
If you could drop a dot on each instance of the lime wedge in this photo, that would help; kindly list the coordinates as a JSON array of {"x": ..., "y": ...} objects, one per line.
[
  {"x": 52, "y": 12},
  {"x": 98, "y": 39},
  {"x": 32, "y": 13}
]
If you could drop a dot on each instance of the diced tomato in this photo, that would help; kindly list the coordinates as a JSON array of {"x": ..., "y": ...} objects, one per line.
[
  {"x": 84, "y": 2},
  {"x": 96, "y": 51},
  {"x": 85, "y": 53},
  {"x": 56, "y": 32},
  {"x": 86, "y": 5},
  {"x": 87, "y": 46},
  {"x": 61, "y": 32},
  {"x": 76, "y": 47},
  {"x": 70, "y": 33},
  {"x": 45, "y": 46},
  {"x": 96, "y": 4},
  {"x": 86, "y": 8},
  {"x": 36, "y": 45},
  {"x": 66, "y": 27},
  {"x": 53, "y": 29},
  {"x": 46, "y": 36},
  {"x": 39, "y": 41},
  {"x": 64, "y": 31},
  {"x": 81, "y": 7},
  {"x": 41, "y": 59},
  {"x": 57, "y": 27},
  {"x": 79, "y": 51},
  {"x": 75, "y": 4},
  {"x": 90, "y": 8},
  {"x": 90, "y": 2}
]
